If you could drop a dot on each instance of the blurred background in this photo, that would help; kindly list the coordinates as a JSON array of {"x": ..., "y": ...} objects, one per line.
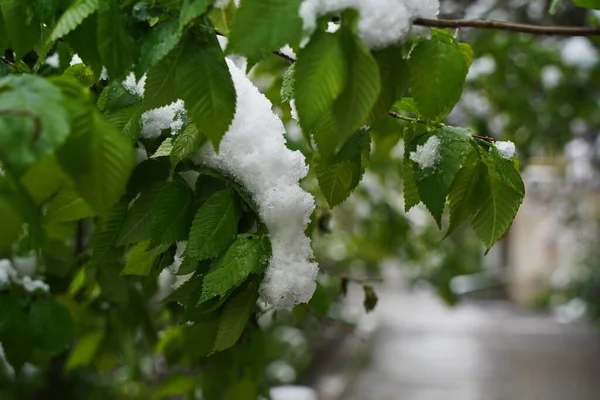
[{"x": 451, "y": 323}]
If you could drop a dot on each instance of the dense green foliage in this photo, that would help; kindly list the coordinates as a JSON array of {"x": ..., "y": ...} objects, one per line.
[{"x": 102, "y": 227}]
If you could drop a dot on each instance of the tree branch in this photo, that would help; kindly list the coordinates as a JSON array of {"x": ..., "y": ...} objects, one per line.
[
  {"x": 508, "y": 26},
  {"x": 343, "y": 276}
]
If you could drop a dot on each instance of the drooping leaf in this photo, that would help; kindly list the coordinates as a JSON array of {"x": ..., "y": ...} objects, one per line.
[
  {"x": 205, "y": 84},
  {"x": 51, "y": 325},
  {"x": 80, "y": 39},
  {"x": 236, "y": 313},
  {"x": 164, "y": 150},
  {"x": 186, "y": 144},
  {"x": 434, "y": 182},
  {"x": 190, "y": 10},
  {"x": 438, "y": 70},
  {"x": 394, "y": 76},
  {"x": 138, "y": 222},
  {"x": 108, "y": 228},
  {"x": 156, "y": 45},
  {"x": 174, "y": 386},
  {"x": 594, "y": 4},
  {"x": 73, "y": 16},
  {"x": 82, "y": 74},
  {"x": 287, "y": 87},
  {"x": 260, "y": 26},
  {"x": 468, "y": 190},
  {"x": 84, "y": 351},
  {"x": 115, "y": 42},
  {"x": 33, "y": 121},
  {"x": 501, "y": 202},
  {"x": 43, "y": 179},
  {"x": 22, "y": 28},
  {"x": 247, "y": 255},
  {"x": 339, "y": 175},
  {"x": 139, "y": 260},
  {"x": 411, "y": 191},
  {"x": 353, "y": 105},
  {"x": 321, "y": 301},
  {"x": 68, "y": 205},
  {"x": 11, "y": 221},
  {"x": 160, "y": 87},
  {"x": 214, "y": 226},
  {"x": 172, "y": 213},
  {"x": 321, "y": 74}
]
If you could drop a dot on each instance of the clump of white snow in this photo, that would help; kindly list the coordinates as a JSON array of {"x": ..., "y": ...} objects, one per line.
[
  {"x": 506, "y": 149},
  {"x": 381, "y": 22},
  {"x": 76, "y": 60},
  {"x": 156, "y": 120},
  {"x": 53, "y": 61},
  {"x": 428, "y": 154},
  {"x": 133, "y": 85},
  {"x": 9, "y": 275},
  {"x": 254, "y": 153}
]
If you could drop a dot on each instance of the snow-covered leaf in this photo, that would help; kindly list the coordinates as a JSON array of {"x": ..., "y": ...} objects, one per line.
[{"x": 214, "y": 226}]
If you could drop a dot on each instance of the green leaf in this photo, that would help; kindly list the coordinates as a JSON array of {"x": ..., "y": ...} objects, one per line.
[
  {"x": 184, "y": 293},
  {"x": 80, "y": 39},
  {"x": 115, "y": 42},
  {"x": 554, "y": 6},
  {"x": 468, "y": 190},
  {"x": 320, "y": 301},
  {"x": 187, "y": 143},
  {"x": 11, "y": 222},
  {"x": 321, "y": 74},
  {"x": 82, "y": 74},
  {"x": 43, "y": 179},
  {"x": 261, "y": 26},
  {"x": 192, "y": 9},
  {"x": 51, "y": 326},
  {"x": 139, "y": 260},
  {"x": 84, "y": 351},
  {"x": 138, "y": 222},
  {"x": 501, "y": 202},
  {"x": 214, "y": 226},
  {"x": 438, "y": 70},
  {"x": 160, "y": 87},
  {"x": 287, "y": 87},
  {"x": 205, "y": 85},
  {"x": 247, "y": 255},
  {"x": 164, "y": 150},
  {"x": 394, "y": 75},
  {"x": 236, "y": 313},
  {"x": 156, "y": 45},
  {"x": 108, "y": 228},
  {"x": 174, "y": 386},
  {"x": 22, "y": 28},
  {"x": 434, "y": 182},
  {"x": 116, "y": 97},
  {"x": 595, "y": 4},
  {"x": 45, "y": 10},
  {"x": 361, "y": 91},
  {"x": 33, "y": 122},
  {"x": 73, "y": 17},
  {"x": 172, "y": 214},
  {"x": 68, "y": 205},
  {"x": 339, "y": 175},
  {"x": 127, "y": 121},
  {"x": 411, "y": 191}
]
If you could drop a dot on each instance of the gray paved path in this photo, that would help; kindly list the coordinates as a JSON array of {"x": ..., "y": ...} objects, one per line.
[{"x": 423, "y": 350}]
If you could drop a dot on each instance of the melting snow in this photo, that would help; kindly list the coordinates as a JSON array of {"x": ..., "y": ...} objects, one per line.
[
  {"x": 427, "y": 155},
  {"x": 506, "y": 149}
]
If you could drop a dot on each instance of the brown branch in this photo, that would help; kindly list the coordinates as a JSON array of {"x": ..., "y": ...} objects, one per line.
[
  {"x": 12, "y": 64},
  {"x": 26, "y": 113},
  {"x": 281, "y": 54},
  {"x": 508, "y": 26}
]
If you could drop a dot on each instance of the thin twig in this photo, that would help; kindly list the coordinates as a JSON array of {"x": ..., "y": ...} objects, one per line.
[
  {"x": 358, "y": 281},
  {"x": 26, "y": 113},
  {"x": 485, "y": 138},
  {"x": 284, "y": 56},
  {"x": 12, "y": 64},
  {"x": 508, "y": 26}
]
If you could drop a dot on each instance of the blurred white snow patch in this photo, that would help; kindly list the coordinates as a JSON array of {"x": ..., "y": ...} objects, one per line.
[
  {"x": 254, "y": 153},
  {"x": 293, "y": 110},
  {"x": 579, "y": 52},
  {"x": 190, "y": 177},
  {"x": 225, "y": 3},
  {"x": 76, "y": 60},
  {"x": 332, "y": 27},
  {"x": 288, "y": 51},
  {"x": 33, "y": 285},
  {"x": 506, "y": 149},
  {"x": 133, "y": 85},
  {"x": 281, "y": 371},
  {"x": 25, "y": 265},
  {"x": 9, "y": 275},
  {"x": 7, "y": 272},
  {"x": 140, "y": 153},
  {"x": 551, "y": 76},
  {"x": 482, "y": 66},
  {"x": 293, "y": 393},
  {"x": 156, "y": 120},
  {"x": 104, "y": 74},
  {"x": 428, "y": 154},
  {"x": 381, "y": 22},
  {"x": 178, "y": 259},
  {"x": 53, "y": 61}
]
